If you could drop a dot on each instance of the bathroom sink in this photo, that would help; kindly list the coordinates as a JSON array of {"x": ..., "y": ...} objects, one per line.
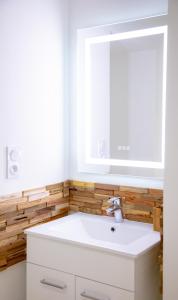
[{"x": 100, "y": 232}]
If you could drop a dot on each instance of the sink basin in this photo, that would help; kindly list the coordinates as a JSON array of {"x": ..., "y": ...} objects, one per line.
[{"x": 100, "y": 232}]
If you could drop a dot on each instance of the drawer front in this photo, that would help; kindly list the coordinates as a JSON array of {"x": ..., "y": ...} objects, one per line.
[
  {"x": 47, "y": 284},
  {"x": 91, "y": 290}
]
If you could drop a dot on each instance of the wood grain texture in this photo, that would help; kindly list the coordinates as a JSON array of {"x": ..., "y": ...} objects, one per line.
[
  {"x": 26, "y": 209},
  {"x": 139, "y": 204}
]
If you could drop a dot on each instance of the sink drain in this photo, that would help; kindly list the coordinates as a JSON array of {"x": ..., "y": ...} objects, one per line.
[{"x": 113, "y": 229}]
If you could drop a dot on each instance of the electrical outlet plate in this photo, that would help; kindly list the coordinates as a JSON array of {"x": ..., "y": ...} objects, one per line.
[{"x": 13, "y": 157}]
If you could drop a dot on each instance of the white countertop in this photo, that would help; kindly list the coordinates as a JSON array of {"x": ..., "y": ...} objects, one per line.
[{"x": 129, "y": 238}]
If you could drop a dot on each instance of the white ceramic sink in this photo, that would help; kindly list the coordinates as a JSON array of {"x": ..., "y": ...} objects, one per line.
[{"x": 128, "y": 238}]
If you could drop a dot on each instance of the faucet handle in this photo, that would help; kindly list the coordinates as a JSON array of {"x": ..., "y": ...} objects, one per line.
[{"x": 115, "y": 201}]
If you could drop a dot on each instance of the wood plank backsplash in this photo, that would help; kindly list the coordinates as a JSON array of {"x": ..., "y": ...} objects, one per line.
[
  {"x": 139, "y": 204},
  {"x": 28, "y": 208}
]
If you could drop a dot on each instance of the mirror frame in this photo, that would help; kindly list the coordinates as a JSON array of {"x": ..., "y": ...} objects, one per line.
[{"x": 87, "y": 37}]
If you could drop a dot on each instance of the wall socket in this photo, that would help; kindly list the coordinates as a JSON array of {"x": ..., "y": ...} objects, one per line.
[{"x": 13, "y": 159}]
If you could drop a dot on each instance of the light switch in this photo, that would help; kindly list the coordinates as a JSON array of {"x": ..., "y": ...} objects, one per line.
[{"x": 13, "y": 162}]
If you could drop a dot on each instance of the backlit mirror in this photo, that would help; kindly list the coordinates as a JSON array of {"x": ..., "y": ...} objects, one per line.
[{"x": 125, "y": 98}]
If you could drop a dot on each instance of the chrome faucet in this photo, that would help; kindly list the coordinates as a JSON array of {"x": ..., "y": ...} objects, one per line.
[{"x": 115, "y": 209}]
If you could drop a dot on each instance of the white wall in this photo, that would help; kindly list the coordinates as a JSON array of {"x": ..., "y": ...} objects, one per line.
[
  {"x": 87, "y": 13},
  {"x": 171, "y": 181},
  {"x": 13, "y": 283},
  {"x": 33, "y": 113},
  {"x": 32, "y": 57}
]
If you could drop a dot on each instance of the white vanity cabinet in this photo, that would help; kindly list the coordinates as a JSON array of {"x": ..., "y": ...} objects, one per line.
[
  {"x": 61, "y": 271},
  {"x": 64, "y": 262}
]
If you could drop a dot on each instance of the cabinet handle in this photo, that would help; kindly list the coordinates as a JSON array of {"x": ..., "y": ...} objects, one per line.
[
  {"x": 85, "y": 295},
  {"x": 45, "y": 282}
]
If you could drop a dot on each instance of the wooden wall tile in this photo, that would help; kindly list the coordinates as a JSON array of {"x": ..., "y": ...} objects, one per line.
[
  {"x": 133, "y": 189},
  {"x": 38, "y": 196},
  {"x": 104, "y": 192},
  {"x": 11, "y": 196},
  {"x": 157, "y": 218},
  {"x": 107, "y": 187},
  {"x": 25, "y": 209},
  {"x": 34, "y": 191},
  {"x": 8, "y": 241},
  {"x": 82, "y": 185},
  {"x": 3, "y": 261}
]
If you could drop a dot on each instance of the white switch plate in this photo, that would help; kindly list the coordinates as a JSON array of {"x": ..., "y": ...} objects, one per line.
[{"x": 13, "y": 159}]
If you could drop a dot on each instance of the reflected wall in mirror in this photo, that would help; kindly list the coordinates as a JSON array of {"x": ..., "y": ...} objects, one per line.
[{"x": 125, "y": 98}]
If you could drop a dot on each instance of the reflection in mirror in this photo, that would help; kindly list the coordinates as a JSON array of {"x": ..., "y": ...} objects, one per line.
[{"x": 126, "y": 99}]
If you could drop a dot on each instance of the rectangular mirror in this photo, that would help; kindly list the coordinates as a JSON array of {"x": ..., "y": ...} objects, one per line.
[{"x": 125, "y": 98}]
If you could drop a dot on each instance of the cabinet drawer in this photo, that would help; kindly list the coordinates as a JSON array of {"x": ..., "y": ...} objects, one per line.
[
  {"x": 91, "y": 290},
  {"x": 47, "y": 284}
]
